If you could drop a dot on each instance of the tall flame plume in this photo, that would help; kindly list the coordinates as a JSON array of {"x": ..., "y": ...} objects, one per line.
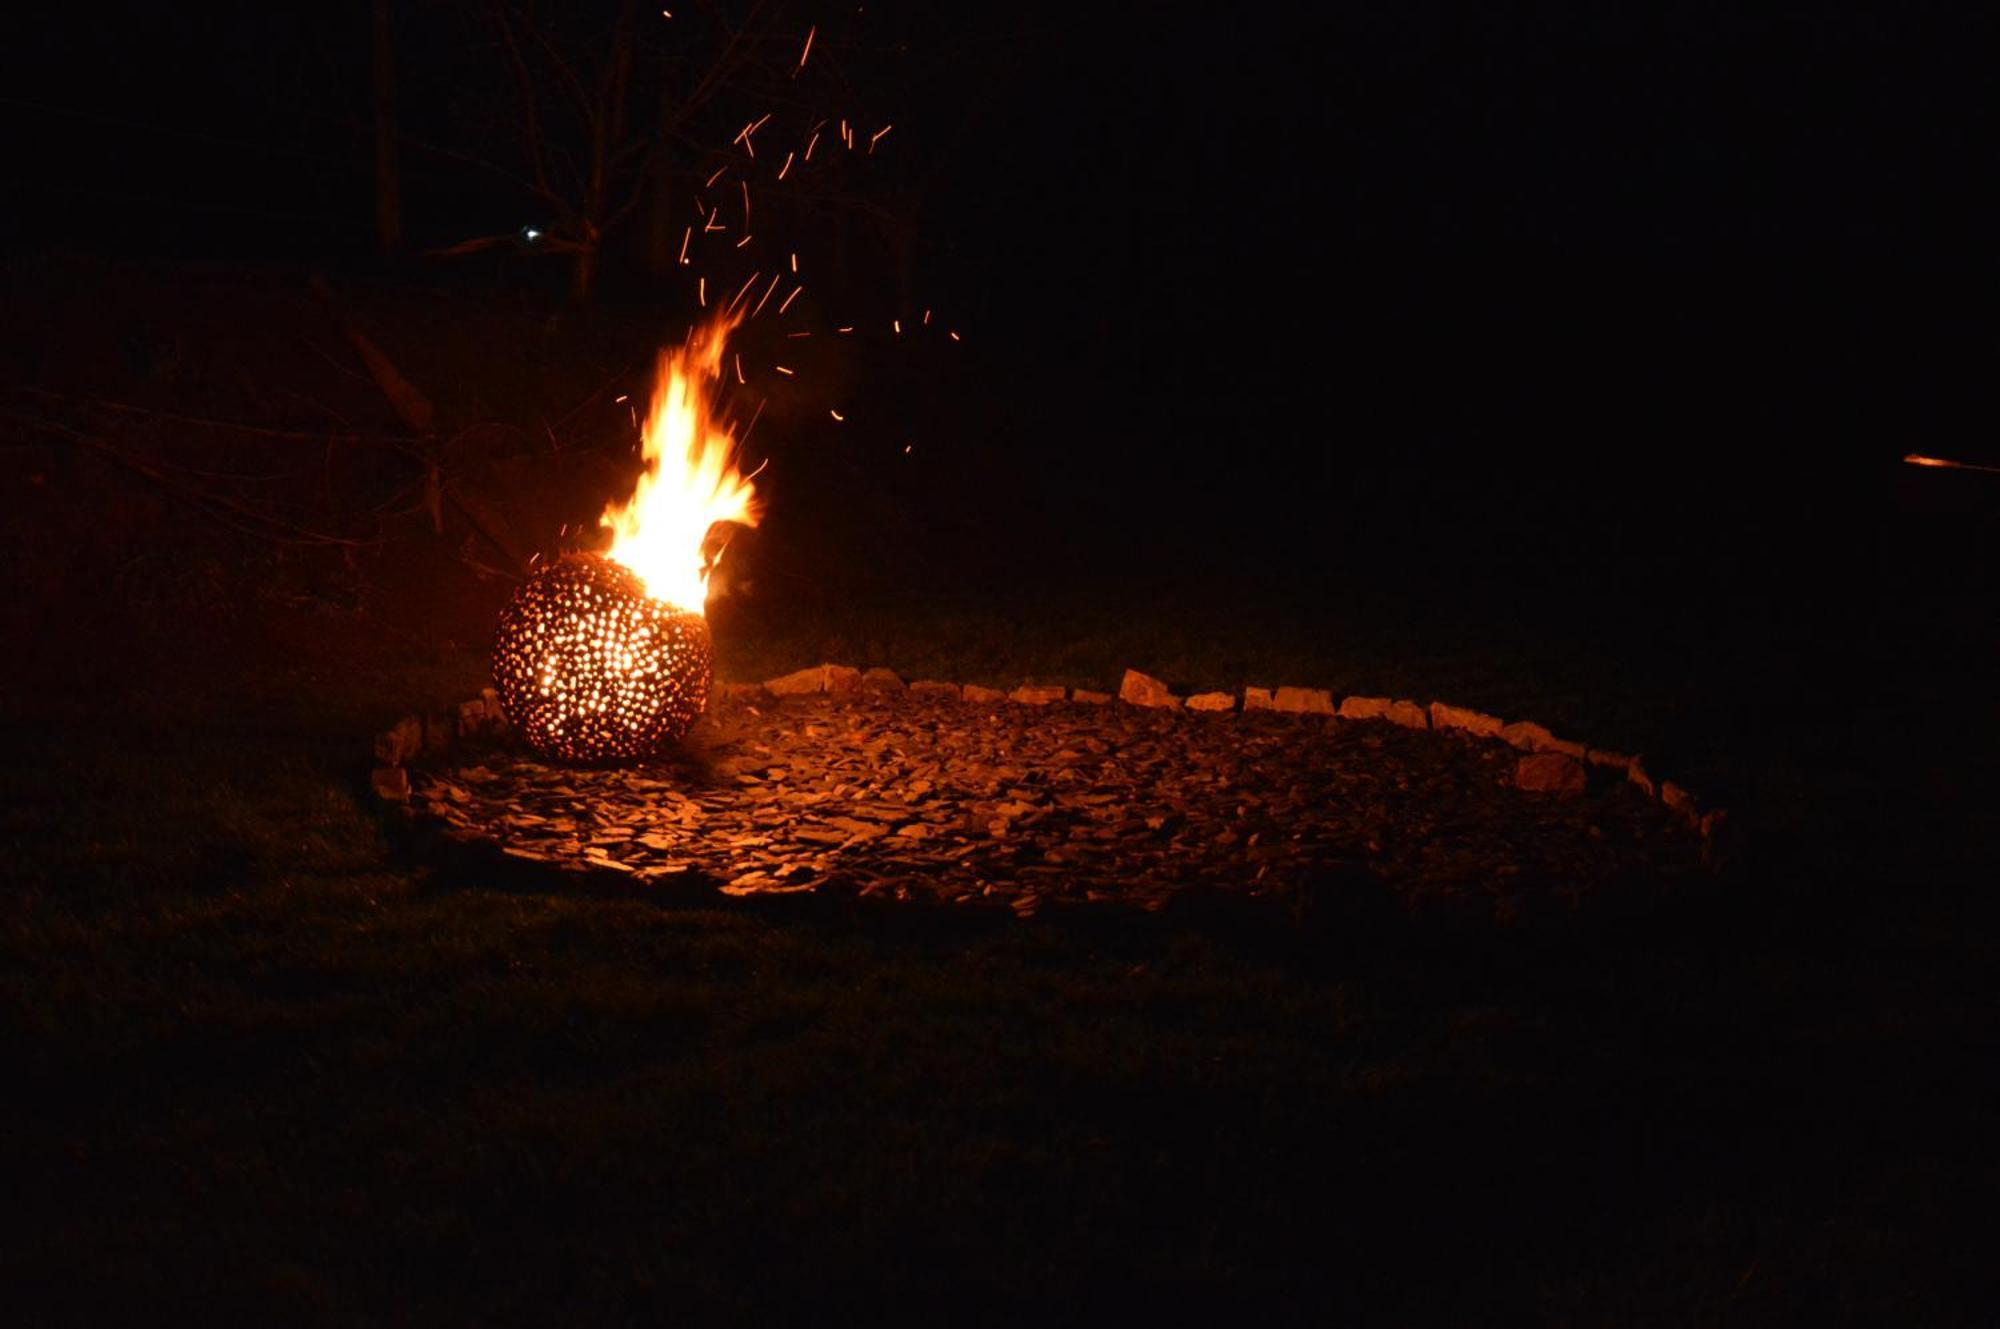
[{"x": 689, "y": 483}]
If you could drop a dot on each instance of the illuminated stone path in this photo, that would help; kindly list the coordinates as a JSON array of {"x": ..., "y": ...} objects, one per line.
[{"x": 996, "y": 803}]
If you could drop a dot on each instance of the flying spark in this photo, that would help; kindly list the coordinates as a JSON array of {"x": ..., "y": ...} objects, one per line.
[
  {"x": 1918, "y": 459},
  {"x": 788, "y": 299},
  {"x": 748, "y": 130},
  {"x": 809, "y": 47}
]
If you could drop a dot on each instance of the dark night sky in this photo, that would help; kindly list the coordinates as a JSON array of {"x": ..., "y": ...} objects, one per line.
[{"x": 1733, "y": 250}]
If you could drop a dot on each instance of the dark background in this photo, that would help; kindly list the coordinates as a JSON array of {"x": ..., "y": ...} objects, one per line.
[
  {"x": 1664, "y": 291},
  {"x": 1609, "y": 315}
]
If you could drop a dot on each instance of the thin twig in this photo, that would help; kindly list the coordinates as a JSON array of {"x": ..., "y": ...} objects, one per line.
[
  {"x": 205, "y": 500},
  {"x": 399, "y": 443}
]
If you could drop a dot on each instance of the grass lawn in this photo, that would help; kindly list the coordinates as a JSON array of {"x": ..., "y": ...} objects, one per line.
[{"x": 262, "y": 1069}]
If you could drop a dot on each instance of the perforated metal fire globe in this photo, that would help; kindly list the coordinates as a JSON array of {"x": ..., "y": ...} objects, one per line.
[{"x": 589, "y": 669}]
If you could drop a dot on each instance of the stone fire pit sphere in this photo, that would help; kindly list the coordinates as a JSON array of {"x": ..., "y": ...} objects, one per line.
[{"x": 590, "y": 669}]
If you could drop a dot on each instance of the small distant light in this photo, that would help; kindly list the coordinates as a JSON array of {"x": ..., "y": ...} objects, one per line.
[
  {"x": 907, "y": 447},
  {"x": 530, "y": 234},
  {"x": 836, "y": 415}
]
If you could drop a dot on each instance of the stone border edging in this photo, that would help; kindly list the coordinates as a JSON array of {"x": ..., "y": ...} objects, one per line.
[{"x": 1548, "y": 764}]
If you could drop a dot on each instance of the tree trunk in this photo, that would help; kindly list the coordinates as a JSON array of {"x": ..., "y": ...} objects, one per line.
[
  {"x": 388, "y": 170},
  {"x": 606, "y": 131},
  {"x": 583, "y": 273}
]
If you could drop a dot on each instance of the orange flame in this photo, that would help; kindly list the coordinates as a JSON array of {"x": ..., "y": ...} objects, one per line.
[{"x": 690, "y": 482}]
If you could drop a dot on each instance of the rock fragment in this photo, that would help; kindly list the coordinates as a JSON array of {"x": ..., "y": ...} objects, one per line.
[
  {"x": 1139, "y": 689},
  {"x": 472, "y": 718},
  {"x": 401, "y": 742},
  {"x": 1531, "y": 737},
  {"x": 1471, "y": 721},
  {"x": 1303, "y": 701},
  {"x": 1549, "y": 773},
  {"x": 1407, "y": 714},
  {"x": 1028, "y": 695},
  {"x": 1211, "y": 701},
  {"x": 797, "y": 683},
  {"x": 879, "y": 679}
]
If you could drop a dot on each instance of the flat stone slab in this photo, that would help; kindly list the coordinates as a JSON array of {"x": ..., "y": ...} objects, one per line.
[
  {"x": 923, "y": 796},
  {"x": 1444, "y": 716},
  {"x": 1303, "y": 701}
]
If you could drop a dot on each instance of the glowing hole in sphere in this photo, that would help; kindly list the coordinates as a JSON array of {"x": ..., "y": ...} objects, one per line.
[{"x": 590, "y": 669}]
